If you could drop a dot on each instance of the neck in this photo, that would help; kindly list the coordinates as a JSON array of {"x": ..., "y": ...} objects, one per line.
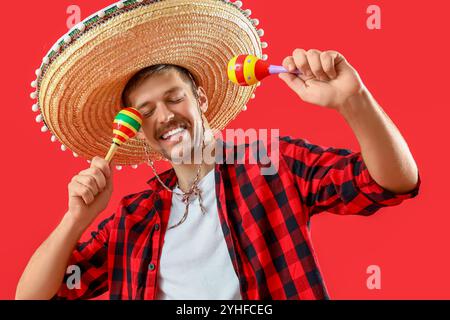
[{"x": 186, "y": 173}]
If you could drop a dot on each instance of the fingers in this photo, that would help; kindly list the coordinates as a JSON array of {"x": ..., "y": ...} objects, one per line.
[
  {"x": 315, "y": 63},
  {"x": 92, "y": 181},
  {"x": 301, "y": 62},
  {"x": 97, "y": 175},
  {"x": 327, "y": 61},
  {"x": 89, "y": 182},
  {"x": 77, "y": 189},
  {"x": 289, "y": 64}
]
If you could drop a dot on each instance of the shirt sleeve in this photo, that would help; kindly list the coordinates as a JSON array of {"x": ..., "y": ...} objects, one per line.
[
  {"x": 91, "y": 259},
  {"x": 336, "y": 180}
]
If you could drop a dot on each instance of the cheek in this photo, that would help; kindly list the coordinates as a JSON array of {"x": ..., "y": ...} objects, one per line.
[
  {"x": 190, "y": 112},
  {"x": 148, "y": 128}
]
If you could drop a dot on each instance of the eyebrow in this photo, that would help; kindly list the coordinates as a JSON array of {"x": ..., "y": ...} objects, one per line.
[{"x": 171, "y": 90}]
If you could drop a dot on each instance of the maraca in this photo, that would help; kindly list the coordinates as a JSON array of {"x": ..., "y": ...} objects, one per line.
[
  {"x": 126, "y": 124},
  {"x": 247, "y": 70}
]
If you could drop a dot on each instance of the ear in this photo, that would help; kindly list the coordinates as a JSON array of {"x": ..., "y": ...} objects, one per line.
[{"x": 203, "y": 99}]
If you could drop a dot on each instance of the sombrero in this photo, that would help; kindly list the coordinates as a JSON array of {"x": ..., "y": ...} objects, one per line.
[{"x": 81, "y": 79}]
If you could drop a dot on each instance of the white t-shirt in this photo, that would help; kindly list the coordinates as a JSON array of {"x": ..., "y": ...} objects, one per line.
[{"x": 195, "y": 263}]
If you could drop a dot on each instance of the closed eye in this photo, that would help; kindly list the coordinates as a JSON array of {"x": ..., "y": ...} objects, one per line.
[
  {"x": 150, "y": 113},
  {"x": 176, "y": 101}
]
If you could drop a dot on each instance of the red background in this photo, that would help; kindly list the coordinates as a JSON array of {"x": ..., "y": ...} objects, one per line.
[{"x": 405, "y": 66}]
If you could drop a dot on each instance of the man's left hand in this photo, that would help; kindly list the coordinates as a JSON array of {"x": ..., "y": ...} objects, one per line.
[{"x": 327, "y": 79}]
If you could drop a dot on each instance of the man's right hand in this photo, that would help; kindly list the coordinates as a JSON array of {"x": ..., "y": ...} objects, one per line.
[{"x": 90, "y": 192}]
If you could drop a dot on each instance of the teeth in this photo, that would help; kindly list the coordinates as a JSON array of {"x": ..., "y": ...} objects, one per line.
[{"x": 172, "y": 132}]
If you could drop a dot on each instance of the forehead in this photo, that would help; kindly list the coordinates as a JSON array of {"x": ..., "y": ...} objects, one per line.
[{"x": 156, "y": 85}]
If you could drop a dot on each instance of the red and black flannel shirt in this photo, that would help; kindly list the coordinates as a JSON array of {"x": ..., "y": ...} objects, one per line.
[{"x": 264, "y": 218}]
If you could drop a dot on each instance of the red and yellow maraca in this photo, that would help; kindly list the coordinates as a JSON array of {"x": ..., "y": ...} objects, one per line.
[
  {"x": 248, "y": 70},
  {"x": 126, "y": 125}
]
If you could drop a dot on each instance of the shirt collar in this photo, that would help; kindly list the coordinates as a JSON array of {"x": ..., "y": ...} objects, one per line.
[{"x": 168, "y": 177}]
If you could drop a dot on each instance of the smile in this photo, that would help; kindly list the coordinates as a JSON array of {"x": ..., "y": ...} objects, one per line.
[{"x": 173, "y": 133}]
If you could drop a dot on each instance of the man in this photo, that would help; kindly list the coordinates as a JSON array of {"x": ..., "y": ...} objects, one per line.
[{"x": 223, "y": 230}]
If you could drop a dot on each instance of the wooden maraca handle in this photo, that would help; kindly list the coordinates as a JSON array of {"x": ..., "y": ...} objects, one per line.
[{"x": 111, "y": 152}]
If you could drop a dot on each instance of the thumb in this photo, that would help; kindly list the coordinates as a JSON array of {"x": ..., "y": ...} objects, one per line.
[{"x": 293, "y": 82}]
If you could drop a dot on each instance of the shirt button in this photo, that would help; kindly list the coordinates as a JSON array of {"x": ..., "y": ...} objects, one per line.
[
  {"x": 151, "y": 267},
  {"x": 156, "y": 227}
]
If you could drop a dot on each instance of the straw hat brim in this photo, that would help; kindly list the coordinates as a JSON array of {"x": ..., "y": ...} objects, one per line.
[{"x": 80, "y": 86}]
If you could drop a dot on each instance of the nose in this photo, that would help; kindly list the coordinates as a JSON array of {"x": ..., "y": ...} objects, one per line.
[{"x": 163, "y": 114}]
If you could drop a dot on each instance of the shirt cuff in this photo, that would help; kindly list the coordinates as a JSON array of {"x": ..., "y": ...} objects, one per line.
[{"x": 379, "y": 194}]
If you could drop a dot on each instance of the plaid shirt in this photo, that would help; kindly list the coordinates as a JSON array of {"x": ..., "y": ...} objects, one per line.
[{"x": 264, "y": 219}]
